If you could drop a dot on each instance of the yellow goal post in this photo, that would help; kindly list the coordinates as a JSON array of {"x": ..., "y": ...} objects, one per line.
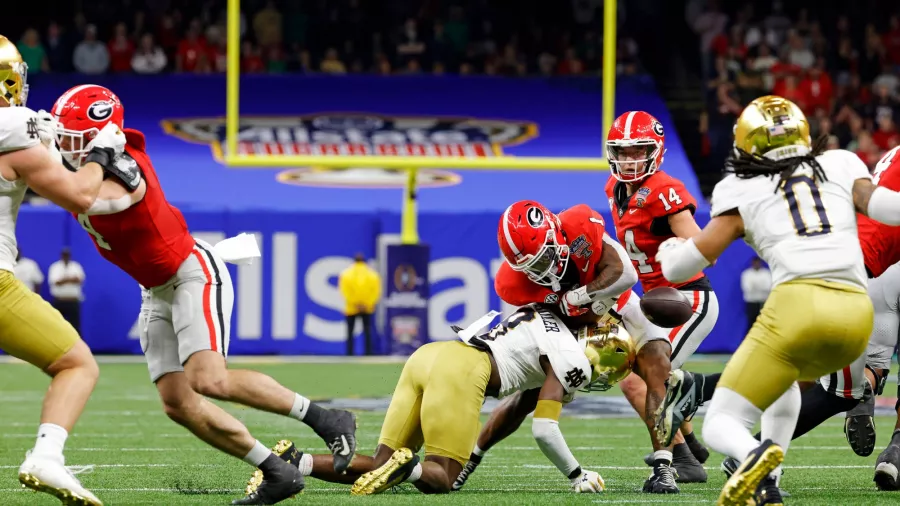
[{"x": 409, "y": 233}]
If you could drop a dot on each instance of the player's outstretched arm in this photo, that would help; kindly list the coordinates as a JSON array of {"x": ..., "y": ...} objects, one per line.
[
  {"x": 115, "y": 198},
  {"x": 876, "y": 202},
  {"x": 683, "y": 224},
  {"x": 681, "y": 260},
  {"x": 545, "y": 428},
  {"x": 615, "y": 274},
  {"x": 73, "y": 191}
]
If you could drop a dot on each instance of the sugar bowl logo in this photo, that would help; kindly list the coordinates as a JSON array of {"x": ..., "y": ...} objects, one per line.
[
  {"x": 405, "y": 279},
  {"x": 359, "y": 134}
]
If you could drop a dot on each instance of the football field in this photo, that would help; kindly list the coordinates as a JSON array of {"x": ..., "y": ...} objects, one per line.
[{"x": 140, "y": 457}]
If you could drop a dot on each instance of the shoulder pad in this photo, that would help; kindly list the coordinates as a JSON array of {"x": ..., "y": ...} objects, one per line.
[
  {"x": 18, "y": 129},
  {"x": 126, "y": 170}
]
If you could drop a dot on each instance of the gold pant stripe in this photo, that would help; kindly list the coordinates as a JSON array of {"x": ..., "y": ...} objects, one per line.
[
  {"x": 30, "y": 328},
  {"x": 437, "y": 401},
  {"x": 807, "y": 329}
]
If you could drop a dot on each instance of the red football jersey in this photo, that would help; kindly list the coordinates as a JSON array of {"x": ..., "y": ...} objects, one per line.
[
  {"x": 642, "y": 222},
  {"x": 881, "y": 243},
  {"x": 150, "y": 239},
  {"x": 583, "y": 228}
]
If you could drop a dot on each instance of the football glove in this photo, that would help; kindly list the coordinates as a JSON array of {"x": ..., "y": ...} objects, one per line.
[
  {"x": 601, "y": 306},
  {"x": 589, "y": 482},
  {"x": 572, "y": 302},
  {"x": 109, "y": 137},
  {"x": 46, "y": 128}
]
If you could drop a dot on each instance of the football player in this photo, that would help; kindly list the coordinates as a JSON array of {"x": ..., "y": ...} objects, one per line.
[
  {"x": 796, "y": 205},
  {"x": 438, "y": 399},
  {"x": 187, "y": 300},
  {"x": 30, "y": 329},
  {"x": 648, "y": 207},
  {"x": 571, "y": 260}
]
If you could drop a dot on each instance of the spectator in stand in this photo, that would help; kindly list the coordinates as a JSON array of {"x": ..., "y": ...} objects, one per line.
[
  {"x": 763, "y": 63},
  {"x": 121, "y": 49},
  {"x": 883, "y": 104},
  {"x": 707, "y": 25},
  {"x": 33, "y": 52},
  {"x": 870, "y": 62},
  {"x": 886, "y": 135},
  {"x": 216, "y": 50},
  {"x": 866, "y": 149},
  {"x": 191, "y": 56},
  {"x": 167, "y": 36},
  {"x": 891, "y": 42},
  {"x": 59, "y": 52},
  {"x": 332, "y": 63},
  {"x": 571, "y": 64},
  {"x": 410, "y": 45},
  {"x": 797, "y": 53},
  {"x": 846, "y": 59},
  {"x": 251, "y": 60},
  {"x": 790, "y": 89},
  {"x": 817, "y": 89},
  {"x": 267, "y": 25},
  {"x": 91, "y": 56},
  {"x": 149, "y": 58},
  {"x": 275, "y": 60}
]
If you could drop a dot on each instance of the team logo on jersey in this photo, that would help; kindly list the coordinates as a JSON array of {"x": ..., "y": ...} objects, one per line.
[
  {"x": 657, "y": 128},
  {"x": 581, "y": 247},
  {"x": 362, "y": 135},
  {"x": 535, "y": 217},
  {"x": 551, "y": 299},
  {"x": 100, "y": 111},
  {"x": 641, "y": 196}
]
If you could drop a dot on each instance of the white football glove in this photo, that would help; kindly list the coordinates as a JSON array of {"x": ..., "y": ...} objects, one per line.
[
  {"x": 110, "y": 137},
  {"x": 46, "y": 127},
  {"x": 601, "y": 306},
  {"x": 588, "y": 483},
  {"x": 667, "y": 246}
]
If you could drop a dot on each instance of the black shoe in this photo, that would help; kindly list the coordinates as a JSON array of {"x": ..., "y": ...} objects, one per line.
[
  {"x": 337, "y": 428},
  {"x": 392, "y": 473},
  {"x": 281, "y": 482},
  {"x": 730, "y": 465},
  {"x": 687, "y": 468},
  {"x": 662, "y": 481},
  {"x": 284, "y": 449},
  {"x": 700, "y": 452},
  {"x": 769, "y": 493},
  {"x": 859, "y": 425},
  {"x": 886, "y": 468},
  {"x": 467, "y": 471},
  {"x": 680, "y": 404},
  {"x": 741, "y": 487}
]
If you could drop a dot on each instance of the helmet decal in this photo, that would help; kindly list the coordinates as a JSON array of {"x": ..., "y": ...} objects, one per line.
[
  {"x": 535, "y": 217},
  {"x": 100, "y": 110}
]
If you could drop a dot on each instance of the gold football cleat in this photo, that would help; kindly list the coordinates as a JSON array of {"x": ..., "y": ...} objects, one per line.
[
  {"x": 393, "y": 472},
  {"x": 288, "y": 453}
]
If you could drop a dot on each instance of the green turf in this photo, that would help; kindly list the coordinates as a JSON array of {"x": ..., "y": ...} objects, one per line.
[{"x": 143, "y": 458}]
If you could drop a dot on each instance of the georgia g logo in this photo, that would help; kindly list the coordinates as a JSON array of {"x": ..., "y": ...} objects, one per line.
[
  {"x": 100, "y": 111},
  {"x": 535, "y": 217},
  {"x": 657, "y": 128}
]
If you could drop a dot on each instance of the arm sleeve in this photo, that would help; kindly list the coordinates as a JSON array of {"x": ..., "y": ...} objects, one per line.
[
  {"x": 884, "y": 206},
  {"x": 629, "y": 275},
  {"x": 553, "y": 445},
  {"x": 680, "y": 263}
]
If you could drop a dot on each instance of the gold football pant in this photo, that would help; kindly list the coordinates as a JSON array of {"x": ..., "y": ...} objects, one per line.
[
  {"x": 30, "y": 329},
  {"x": 438, "y": 401},
  {"x": 807, "y": 328}
]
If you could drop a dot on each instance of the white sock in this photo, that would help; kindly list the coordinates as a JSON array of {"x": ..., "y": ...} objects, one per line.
[
  {"x": 415, "y": 474},
  {"x": 478, "y": 451},
  {"x": 663, "y": 455},
  {"x": 257, "y": 454},
  {"x": 300, "y": 407},
  {"x": 780, "y": 419},
  {"x": 726, "y": 427},
  {"x": 50, "y": 441},
  {"x": 306, "y": 464}
]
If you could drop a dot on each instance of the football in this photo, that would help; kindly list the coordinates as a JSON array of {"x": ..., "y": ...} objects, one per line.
[{"x": 666, "y": 307}]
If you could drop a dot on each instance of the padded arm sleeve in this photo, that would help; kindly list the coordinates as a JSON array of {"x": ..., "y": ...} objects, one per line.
[
  {"x": 884, "y": 206},
  {"x": 550, "y": 440},
  {"x": 103, "y": 206},
  {"x": 629, "y": 275},
  {"x": 680, "y": 263}
]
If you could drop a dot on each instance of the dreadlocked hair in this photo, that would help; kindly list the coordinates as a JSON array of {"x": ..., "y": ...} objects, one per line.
[{"x": 746, "y": 165}]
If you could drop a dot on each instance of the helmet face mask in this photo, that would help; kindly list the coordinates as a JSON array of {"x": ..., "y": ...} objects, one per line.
[
  {"x": 532, "y": 242},
  {"x": 548, "y": 265}
]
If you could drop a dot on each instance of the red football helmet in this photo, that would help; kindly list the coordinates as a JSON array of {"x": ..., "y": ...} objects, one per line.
[
  {"x": 635, "y": 146},
  {"x": 82, "y": 112},
  {"x": 531, "y": 239}
]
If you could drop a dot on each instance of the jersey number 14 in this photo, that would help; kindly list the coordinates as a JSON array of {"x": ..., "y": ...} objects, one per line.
[{"x": 800, "y": 199}]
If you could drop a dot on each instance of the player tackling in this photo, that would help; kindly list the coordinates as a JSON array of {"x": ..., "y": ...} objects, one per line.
[
  {"x": 187, "y": 299},
  {"x": 796, "y": 206},
  {"x": 30, "y": 329}
]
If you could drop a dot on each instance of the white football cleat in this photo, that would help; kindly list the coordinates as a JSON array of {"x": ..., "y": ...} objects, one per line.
[{"x": 51, "y": 477}]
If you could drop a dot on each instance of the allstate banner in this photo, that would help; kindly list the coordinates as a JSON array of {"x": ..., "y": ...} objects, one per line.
[{"x": 406, "y": 301}]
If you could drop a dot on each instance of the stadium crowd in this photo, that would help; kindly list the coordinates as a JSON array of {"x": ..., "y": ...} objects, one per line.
[
  {"x": 842, "y": 72},
  {"x": 391, "y": 37}
]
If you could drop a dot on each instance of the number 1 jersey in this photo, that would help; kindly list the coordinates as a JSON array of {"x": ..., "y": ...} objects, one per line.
[{"x": 804, "y": 228}]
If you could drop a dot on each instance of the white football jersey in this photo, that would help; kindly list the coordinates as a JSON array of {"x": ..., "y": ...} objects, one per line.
[
  {"x": 805, "y": 228},
  {"x": 519, "y": 341},
  {"x": 18, "y": 130}
]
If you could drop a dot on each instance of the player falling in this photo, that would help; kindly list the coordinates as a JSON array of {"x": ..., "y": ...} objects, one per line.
[
  {"x": 438, "y": 399},
  {"x": 648, "y": 207},
  {"x": 796, "y": 206},
  {"x": 30, "y": 329},
  {"x": 187, "y": 300}
]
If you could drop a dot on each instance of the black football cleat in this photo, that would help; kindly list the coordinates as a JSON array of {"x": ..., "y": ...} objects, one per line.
[
  {"x": 337, "y": 428},
  {"x": 680, "y": 404},
  {"x": 281, "y": 482},
  {"x": 859, "y": 425},
  {"x": 741, "y": 487},
  {"x": 886, "y": 467},
  {"x": 662, "y": 481},
  {"x": 285, "y": 450}
]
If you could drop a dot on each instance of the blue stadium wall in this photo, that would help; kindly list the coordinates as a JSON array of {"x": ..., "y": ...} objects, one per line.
[{"x": 309, "y": 234}]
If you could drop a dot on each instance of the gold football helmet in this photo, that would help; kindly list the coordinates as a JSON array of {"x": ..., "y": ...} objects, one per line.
[
  {"x": 13, "y": 75},
  {"x": 769, "y": 123},
  {"x": 610, "y": 351}
]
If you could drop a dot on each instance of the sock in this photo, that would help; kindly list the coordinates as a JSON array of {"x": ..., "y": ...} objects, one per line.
[
  {"x": 726, "y": 427},
  {"x": 314, "y": 416},
  {"x": 710, "y": 381},
  {"x": 662, "y": 457},
  {"x": 258, "y": 454},
  {"x": 478, "y": 451},
  {"x": 300, "y": 407},
  {"x": 306, "y": 464},
  {"x": 780, "y": 419},
  {"x": 895, "y": 438},
  {"x": 416, "y": 473},
  {"x": 51, "y": 439}
]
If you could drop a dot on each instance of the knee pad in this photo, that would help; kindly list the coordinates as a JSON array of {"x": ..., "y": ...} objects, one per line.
[{"x": 880, "y": 379}]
